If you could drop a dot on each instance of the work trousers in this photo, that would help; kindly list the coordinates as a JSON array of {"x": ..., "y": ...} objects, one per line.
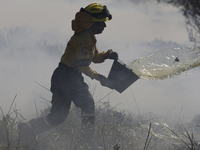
[{"x": 67, "y": 86}]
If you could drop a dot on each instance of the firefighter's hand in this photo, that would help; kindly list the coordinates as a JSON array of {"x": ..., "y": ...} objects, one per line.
[
  {"x": 100, "y": 77},
  {"x": 104, "y": 81},
  {"x": 110, "y": 54}
]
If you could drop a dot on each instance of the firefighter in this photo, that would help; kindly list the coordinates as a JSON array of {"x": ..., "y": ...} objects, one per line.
[{"x": 67, "y": 82}]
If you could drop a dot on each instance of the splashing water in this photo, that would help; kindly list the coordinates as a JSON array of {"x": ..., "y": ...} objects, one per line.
[{"x": 166, "y": 63}]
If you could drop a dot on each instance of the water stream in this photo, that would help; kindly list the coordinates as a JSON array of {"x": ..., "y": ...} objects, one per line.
[{"x": 166, "y": 63}]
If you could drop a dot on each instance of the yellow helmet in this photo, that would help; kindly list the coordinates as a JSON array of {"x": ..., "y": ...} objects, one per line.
[{"x": 98, "y": 12}]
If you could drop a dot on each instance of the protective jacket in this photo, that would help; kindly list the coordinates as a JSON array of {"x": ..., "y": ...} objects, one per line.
[{"x": 81, "y": 50}]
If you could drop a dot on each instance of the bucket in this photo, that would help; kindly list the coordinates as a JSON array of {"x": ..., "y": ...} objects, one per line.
[{"x": 121, "y": 76}]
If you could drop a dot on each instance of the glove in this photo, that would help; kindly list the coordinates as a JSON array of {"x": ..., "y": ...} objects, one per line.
[
  {"x": 111, "y": 55},
  {"x": 104, "y": 81},
  {"x": 100, "y": 77}
]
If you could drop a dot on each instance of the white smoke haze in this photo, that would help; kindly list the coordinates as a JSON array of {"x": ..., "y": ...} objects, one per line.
[{"x": 33, "y": 36}]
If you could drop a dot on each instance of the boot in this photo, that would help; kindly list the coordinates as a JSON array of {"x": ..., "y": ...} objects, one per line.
[{"x": 28, "y": 131}]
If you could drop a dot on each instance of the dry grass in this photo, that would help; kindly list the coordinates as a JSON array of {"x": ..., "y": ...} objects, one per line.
[{"x": 114, "y": 131}]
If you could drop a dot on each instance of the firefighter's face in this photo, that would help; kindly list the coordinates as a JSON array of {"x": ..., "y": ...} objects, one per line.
[{"x": 99, "y": 26}]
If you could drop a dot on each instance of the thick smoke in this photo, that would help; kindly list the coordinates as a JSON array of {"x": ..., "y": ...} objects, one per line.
[{"x": 32, "y": 44}]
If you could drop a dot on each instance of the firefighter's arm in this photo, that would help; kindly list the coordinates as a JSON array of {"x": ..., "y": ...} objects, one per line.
[
  {"x": 87, "y": 70},
  {"x": 101, "y": 56}
]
